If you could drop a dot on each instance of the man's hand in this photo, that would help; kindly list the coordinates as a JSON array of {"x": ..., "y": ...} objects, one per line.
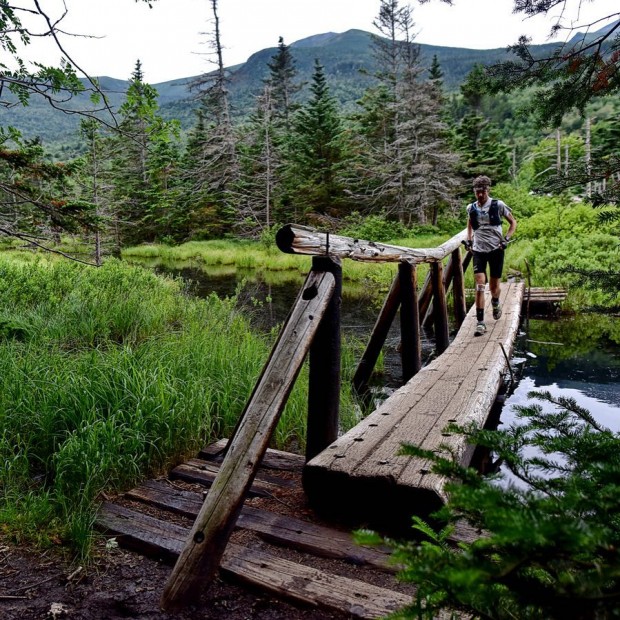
[
  {"x": 468, "y": 245},
  {"x": 504, "y": 242}
]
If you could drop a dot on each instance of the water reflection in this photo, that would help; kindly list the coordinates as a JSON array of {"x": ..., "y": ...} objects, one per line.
[
  {"x": 267, "y": 298},
  {"x": 576, "y": 356}
]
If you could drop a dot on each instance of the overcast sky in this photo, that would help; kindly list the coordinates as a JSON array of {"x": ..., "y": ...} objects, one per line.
[{"x": 171, "y": 43}]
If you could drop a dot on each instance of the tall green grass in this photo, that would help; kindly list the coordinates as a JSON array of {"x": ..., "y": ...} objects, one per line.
[{"x": 107, "y": 376}]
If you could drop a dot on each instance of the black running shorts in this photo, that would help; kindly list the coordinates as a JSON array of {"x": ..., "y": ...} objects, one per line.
[{"x": 494, "y": 259}]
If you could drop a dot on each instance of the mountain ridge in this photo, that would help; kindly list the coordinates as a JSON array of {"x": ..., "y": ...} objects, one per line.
[{"x": 347, "y": 59}]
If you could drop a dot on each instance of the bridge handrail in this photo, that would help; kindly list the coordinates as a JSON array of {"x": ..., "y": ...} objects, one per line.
[{"x": 294, "y": 239}]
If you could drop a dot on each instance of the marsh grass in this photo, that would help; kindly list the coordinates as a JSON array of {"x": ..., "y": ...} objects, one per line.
[{"x": 115, "y": 375}]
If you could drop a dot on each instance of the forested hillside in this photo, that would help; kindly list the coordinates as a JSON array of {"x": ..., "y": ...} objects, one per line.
[
  {"x": 347, "y": 58},
  {"x": 325, "y": 131}
]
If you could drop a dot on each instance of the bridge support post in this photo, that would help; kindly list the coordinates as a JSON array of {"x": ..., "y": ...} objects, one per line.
[
  {"x": 324, "y": 375},
  {"x": 378, "y": 337},
  {"x": 411, "y": 346},
  {"x": 458, "y": 288},
  {"x": 440, "y": 308},
  {"x": 206, "y": 543}
]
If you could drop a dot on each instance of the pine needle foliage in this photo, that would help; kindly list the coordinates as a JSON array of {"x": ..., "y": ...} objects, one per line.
[{"x": 549, "y": 544}]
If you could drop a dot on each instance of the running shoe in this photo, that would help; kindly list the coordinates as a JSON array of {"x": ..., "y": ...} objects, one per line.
[
  {"x": 497, "y": 312},
  {"x": 481, "y": 329}
]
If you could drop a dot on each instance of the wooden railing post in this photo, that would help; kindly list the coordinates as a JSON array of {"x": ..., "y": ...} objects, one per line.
[
  {"x": 440, "y": 308},
  {"x": 458, "y": 288},
  {"x": 206, "y": 543},
  {"x": 377, "y": 337},
  {"x": 426, "y": 295},
  {"x": 324, "y": 375},
  {"x": 410, "y": 344}
]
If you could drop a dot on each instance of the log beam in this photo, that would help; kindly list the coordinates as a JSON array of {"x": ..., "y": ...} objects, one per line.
[
  {"x": 206, "y": 544},
  {"x": 293, "y": 239}
]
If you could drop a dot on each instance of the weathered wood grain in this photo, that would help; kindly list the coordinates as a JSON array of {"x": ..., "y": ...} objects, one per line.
[
  {"x": 294, "y": 239},
  {"x": 281, "y": 577},
  {"x": 207, "y": 541},
  {"x": 459, "y": 386},
  {"x": 272, "y": 459},
  {"x": 278, "y": 529},
  {"x": 204, "y": 472}
]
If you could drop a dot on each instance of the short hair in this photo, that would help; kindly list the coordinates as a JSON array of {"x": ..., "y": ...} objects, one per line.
[{"x": 482, "y": 180}]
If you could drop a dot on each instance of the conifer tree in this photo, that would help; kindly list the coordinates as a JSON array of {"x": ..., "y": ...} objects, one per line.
[
  {"x": 259, "y": 167},
  {"x": 36, "y": 196},
  {"x": 475, "y": 137},
  {"x": 96, "y": 187},
  {"x": 408, "y": 170},
  {"x": 317, "y": 152},
  {"x": 141, "y": 133},
  {"x": 548, "y": 545},
  {"x": 582, "y": 68},
  {"x": 212, "y": 168},
  {"x": 282, "y": 73}
]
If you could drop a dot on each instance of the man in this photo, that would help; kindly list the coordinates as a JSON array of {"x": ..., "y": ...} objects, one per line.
[{"x": 487, "y": 242}]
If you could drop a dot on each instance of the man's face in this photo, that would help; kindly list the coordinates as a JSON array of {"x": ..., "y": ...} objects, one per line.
[{"x": 482, "y": 193}]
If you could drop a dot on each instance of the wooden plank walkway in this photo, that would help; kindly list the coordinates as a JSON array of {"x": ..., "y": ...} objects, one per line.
[
  {"x": 361, "y": 474},
  {"x": 309, "y": 568}
]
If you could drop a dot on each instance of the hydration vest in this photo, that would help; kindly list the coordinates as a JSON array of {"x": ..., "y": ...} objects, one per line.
[{"x": 494, "y": 218}]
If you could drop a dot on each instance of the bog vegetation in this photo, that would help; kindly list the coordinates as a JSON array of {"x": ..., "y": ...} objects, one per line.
[{"x": 112, "y": 374}]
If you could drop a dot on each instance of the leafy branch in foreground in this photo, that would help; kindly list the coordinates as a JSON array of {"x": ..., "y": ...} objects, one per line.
[{"x": 550, "y": 542}]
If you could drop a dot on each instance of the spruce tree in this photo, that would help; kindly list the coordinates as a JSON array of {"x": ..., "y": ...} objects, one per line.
[
  {"x": 317, "y": 152},
  {"x": 407, "y": 170},
  {"x": 141, "y": 133},
  {"x": 476, "y": 138},
  {"x": 260, "y": 168},
  {"x": 282, "y": 74},
  {"x": 211, "y": 169}
]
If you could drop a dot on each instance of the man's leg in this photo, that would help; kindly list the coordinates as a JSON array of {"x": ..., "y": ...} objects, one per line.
[
  {"x": 480, "y": 278},
  {"x": 495, "y": 286},
  {"x": 496, "y": 266},
  {"x": 480, "y": 285}
]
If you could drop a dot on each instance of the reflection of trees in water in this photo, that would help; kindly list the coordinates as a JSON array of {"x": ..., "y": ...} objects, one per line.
[
  {"x": 587, "y": 349},
  {"x": 583, "y": 348}
]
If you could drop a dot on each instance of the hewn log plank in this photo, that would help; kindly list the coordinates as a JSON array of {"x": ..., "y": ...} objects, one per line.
[
  {"x": 278, "y": 529},
  {"x": 204, "y": 472},
  {"x": 459, "y": 386},
  {"x": 203, "y": 550},
  {"x": 294, "y": 239},
  {"x": 312, "y": 586},
  {"x": 281, "y": 577}
]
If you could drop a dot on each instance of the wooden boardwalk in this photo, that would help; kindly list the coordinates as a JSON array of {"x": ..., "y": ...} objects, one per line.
[
  {"x": 361, "y": 473},
  {"x": 359, "y": 479},
  {"x": 279, "y": 546}
]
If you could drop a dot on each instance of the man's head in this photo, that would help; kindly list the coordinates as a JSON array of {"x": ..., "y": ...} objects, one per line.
[
  {"x": 481, "y": 188},
  {"x": 482, "y": 182}
]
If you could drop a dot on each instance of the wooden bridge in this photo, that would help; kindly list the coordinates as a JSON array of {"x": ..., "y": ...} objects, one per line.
[{"x": 356, "y": 479}]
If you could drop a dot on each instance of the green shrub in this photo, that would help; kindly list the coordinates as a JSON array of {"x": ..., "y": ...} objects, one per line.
[{"x": 549, "y": 547}]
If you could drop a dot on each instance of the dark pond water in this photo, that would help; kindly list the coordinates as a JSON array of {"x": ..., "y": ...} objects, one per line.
[{"x": 577, "y": 357}]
